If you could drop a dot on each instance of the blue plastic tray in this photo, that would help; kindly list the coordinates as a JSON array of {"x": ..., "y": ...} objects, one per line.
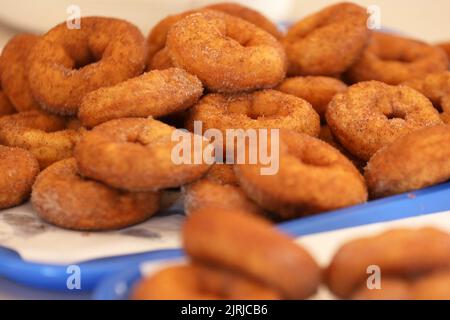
[
  {"x": 54, "y": 277},
  {"x": 427, "y": 201}
]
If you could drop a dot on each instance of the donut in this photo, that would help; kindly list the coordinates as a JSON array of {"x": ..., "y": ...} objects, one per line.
[
  {"x": 415, "y": 161},
  {"x": 209, "y": 194},
  {"x": 402, "y": 254},
  {"x": 372, "y": 114},
  {"x": 42, "y": 134},
  {"x": 160, "y": 60},
  {"x": 66, "y": 64},
  {"x": 226, "y": 53},
  {"x": 14, "y": 76},
  {"x": 18, "y": 170},
  {"x": 62, "y": 197},
  {"x": 249, "y": 15},
  {"x": 436, "y": 87},
  {"x": 267, "y": 109},
  {"x": 200, "y": 282},
  {"x": 393, "y": 59},
  {"x": 446, "y": 47},
  {"x": 136, "y": 154},
  {"x": 156, "y": 93},
  {"x": 318, "y": 91},
  {"x": 221, "y": 238},
  {"x": 309, "y": 175},
  {"x": 328, "y": 42}
]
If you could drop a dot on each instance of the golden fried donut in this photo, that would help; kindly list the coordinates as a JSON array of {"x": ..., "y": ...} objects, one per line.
[
  {"x": 135, "y": 154},
  {"x": 436, "y": 87},
  {"x": 400, "y": 254},
  {"x": 18, "y": 170},
  {"x": 157, "y": 93},
  {"x": 227, "y": 53},
  {"x": 316, "y": 90},
  {"x": 415, "y": 161},
  {"x": 310, "y": 173},
  {"x": 251, "y": 246},
  {"x": 14, "y": 77},
  {"x": 327, "y": 43},
  {"x": 371, "y": 115},
  {"x": 210, "y": 193},
  {"x": 267, "y": 109},
  {"x": 62, "y": 197},
  {"x": 200, "y": 282},
  {"x": 249, "y": 15},
  {"x": 393, "y": 59},
  {"x": 66, "y": 64},
  {"x": 42, "y": 134}
]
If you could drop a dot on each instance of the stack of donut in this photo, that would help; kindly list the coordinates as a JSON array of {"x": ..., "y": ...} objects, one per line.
[{"x": 356, "y": 113}]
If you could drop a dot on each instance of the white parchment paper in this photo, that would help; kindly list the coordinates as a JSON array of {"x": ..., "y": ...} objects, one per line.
[{"x": 37, "y": 241}]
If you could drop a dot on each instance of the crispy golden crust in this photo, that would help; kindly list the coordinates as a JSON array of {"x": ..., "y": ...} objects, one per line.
[
  {"x": 310, "y": 172},
  {"x": 62, "y": 71},
  {"x": 415, "y": 161},
  {"x": 393, "y": 60},
  {"x": 14, "y": 77},
  {"x": 400, "y": 253},
  {"x": 42, "y": 134},
  {"x": 371, "y": 115},
  {"x": 249, "y": 245},
  {"x": 329, "y": 42},
  {"x": 316, "y": 90},
  {"x": 157, "y": 93},
  {"x": 135, "y": 154},
  {"x": 227, "y": 53},
  {"x": 207, "y": 193},
  {"x": 62, "y": 197},
  {"x": 249, "y": 15},
  {"x": 267, "y": 109},
  {"x": 200, "y": 282},
  {"x": 18, "y": 170}
]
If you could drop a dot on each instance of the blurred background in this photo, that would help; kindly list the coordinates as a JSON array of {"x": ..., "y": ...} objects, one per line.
[{"x": 424, "y": 19}]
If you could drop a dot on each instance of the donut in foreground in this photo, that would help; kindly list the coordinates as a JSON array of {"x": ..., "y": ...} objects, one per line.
[
  {"x": 327, "y": 43},
  {"x": 415, "y": 161},
  {"x": 18, "y": 170},
  {"x": 156, "y": 94},
  {"x": 62, "y": 197},
  {"x": 135, "y": 154},
  {"x": 249, "y": 245},
  {"x": 226, "y": 53},
  {"x": 403, "y": 256},
  {"x": 310, "y": 172},
  {"x": 372, "y": 114},
  {"x": 66, "y": 64}
]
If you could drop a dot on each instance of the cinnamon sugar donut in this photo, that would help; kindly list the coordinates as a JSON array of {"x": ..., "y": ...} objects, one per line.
[
  {"x": 157, "y": 93},
  {"x": 64, "y": 198},
  {"x": 267, "y": 109},
  {"x": 310, "y": 173},
  {"x": 415, "y": 161},
  {"x": 316, "y": 90},
  {"x": 18, "y": 170},
  {"x": 402, "y": 254},
  {"x": 42, "y": 134},
  {"x": 226, "y": 53},
  {"x": 328, "y": 42},
  {"x": 14, "y": 76},
  {"x": 222, "y": 238},
  {"x": 393, "y": 59},
  {"x": 66, "y": 64},
  {"x": 136, "y": 154},
  {"x": 371, "y": 115},
  {"x": 200, "y": 282}
]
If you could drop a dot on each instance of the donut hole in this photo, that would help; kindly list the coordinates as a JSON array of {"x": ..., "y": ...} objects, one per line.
[
  {"x": 395, "y": 115},
  {"x": 88, "y": 60}
]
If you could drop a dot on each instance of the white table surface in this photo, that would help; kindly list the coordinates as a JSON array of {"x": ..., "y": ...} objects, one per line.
[{"x": 424, "y": 19}]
